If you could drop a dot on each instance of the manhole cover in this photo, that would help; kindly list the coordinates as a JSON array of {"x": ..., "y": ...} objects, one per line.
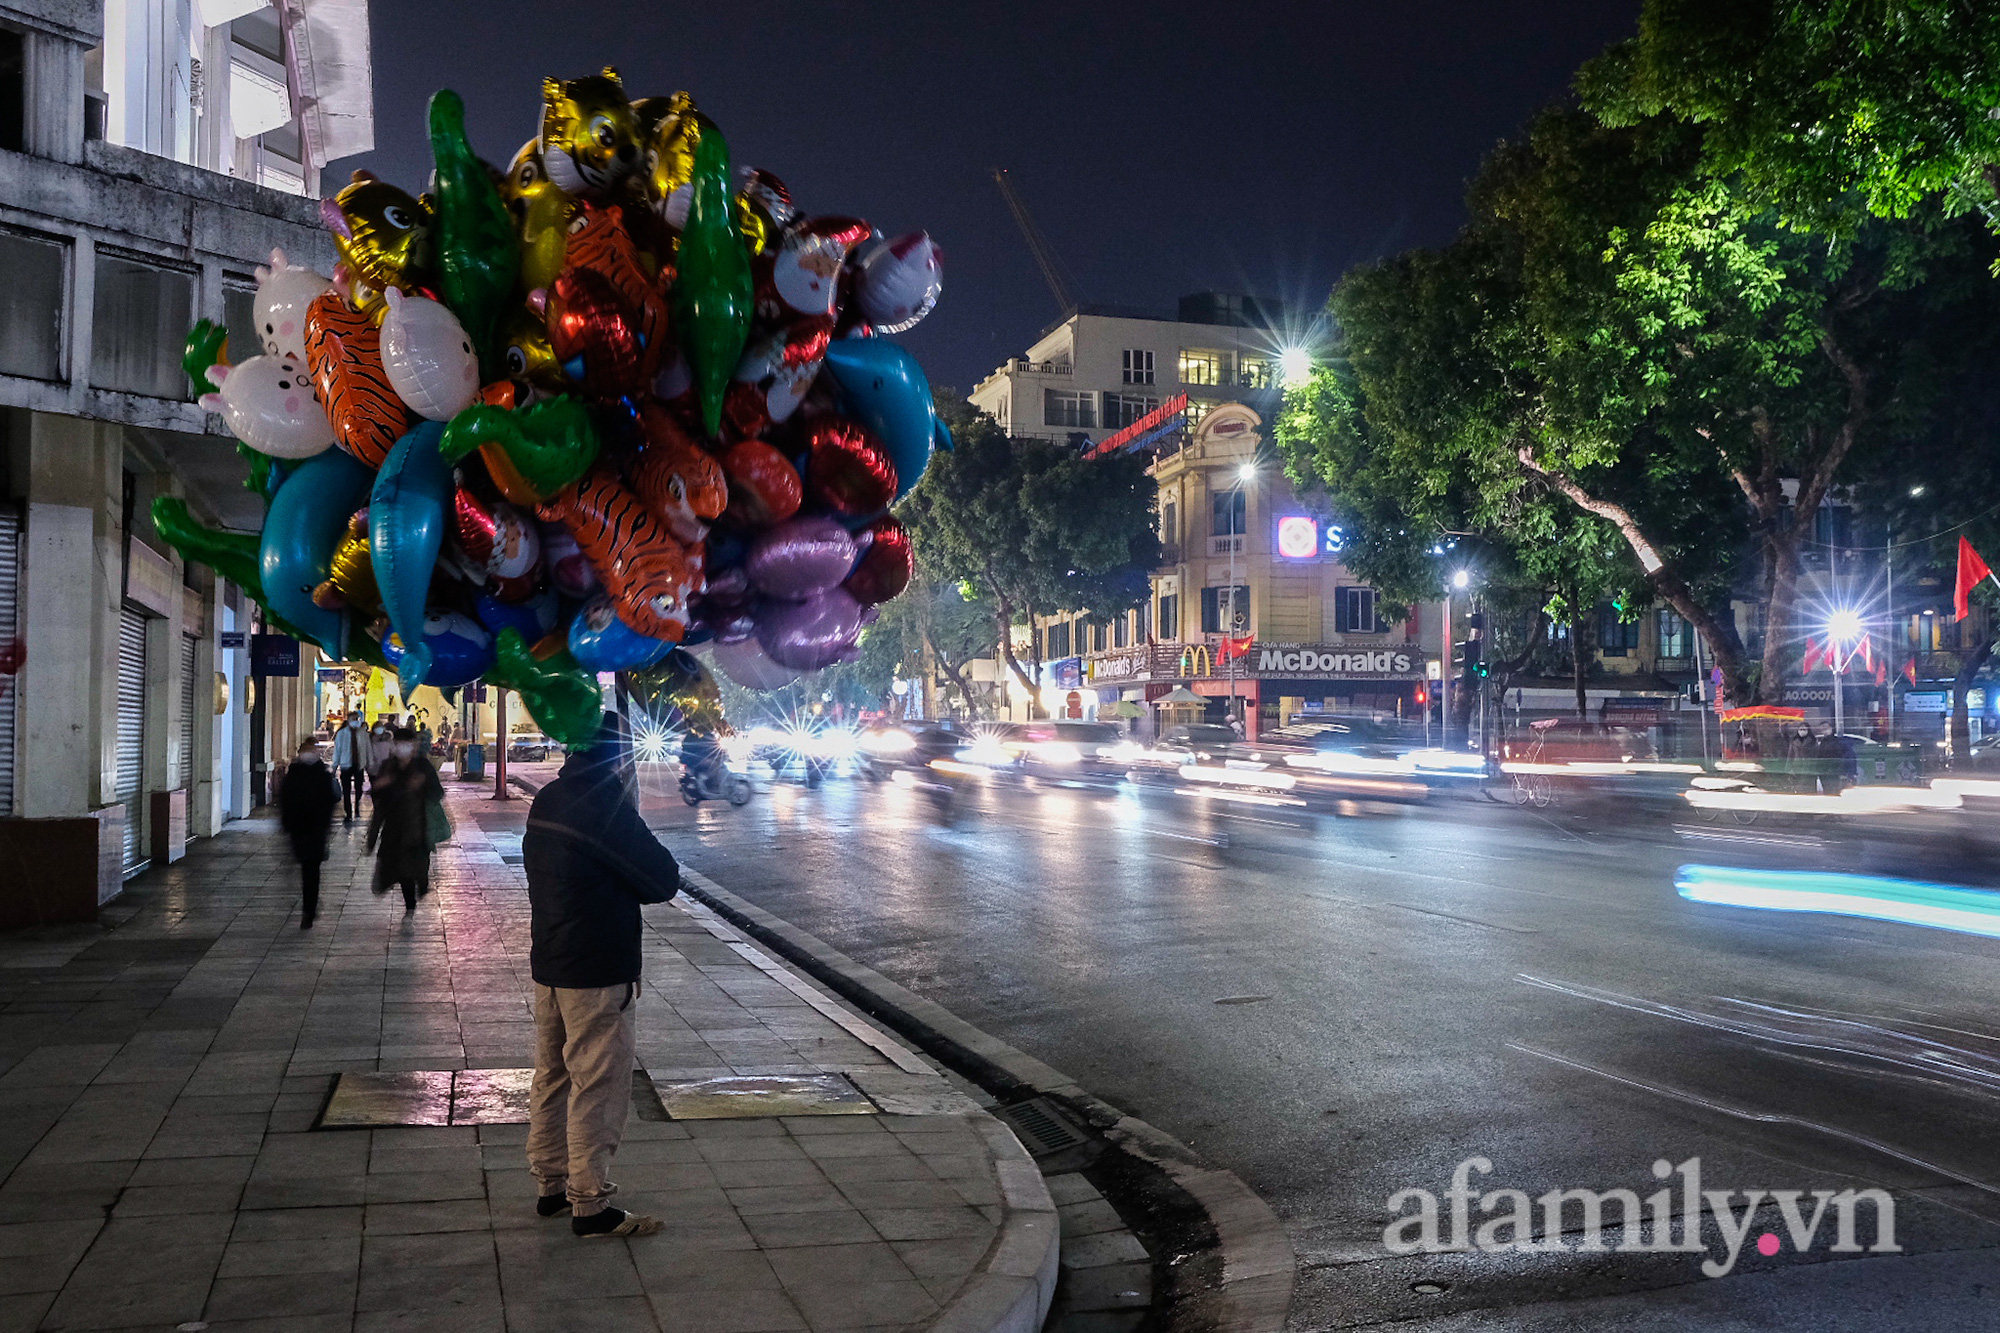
[
  {"x": 1042, "y": 1127},
  {"x": 732, "y": 1098}
]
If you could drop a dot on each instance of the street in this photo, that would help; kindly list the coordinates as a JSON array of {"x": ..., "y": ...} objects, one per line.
[{"x": 1341, "y": 1008}]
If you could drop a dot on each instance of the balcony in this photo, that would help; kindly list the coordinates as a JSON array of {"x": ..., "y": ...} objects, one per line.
[
  {"x": 1230, "y": 545},
  {"x": 1169, "y": 555},
  {"x": 1021, "y": 365}
]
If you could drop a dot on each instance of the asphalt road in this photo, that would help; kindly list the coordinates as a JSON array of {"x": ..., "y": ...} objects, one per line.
[{"x": 1341, "y": 1008}]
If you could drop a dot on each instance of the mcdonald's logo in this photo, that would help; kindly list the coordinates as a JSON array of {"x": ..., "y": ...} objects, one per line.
[{"x": 1197, "y": 661}]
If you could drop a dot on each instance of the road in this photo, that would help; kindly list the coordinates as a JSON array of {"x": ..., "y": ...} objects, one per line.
[{"x": 1341, "y": 1008}]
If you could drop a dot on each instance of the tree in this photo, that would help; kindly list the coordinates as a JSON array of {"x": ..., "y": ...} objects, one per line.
[
  {"x": 1619, "y": 329},
  {"x": 1033, "y": 526},
  {"x": 932, "y": 625},
  {"x": 1830, "y": 112}
]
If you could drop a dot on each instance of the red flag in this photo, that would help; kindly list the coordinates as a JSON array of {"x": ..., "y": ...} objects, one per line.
[
  {"x": 1812, "y": 658},
  {"x": 1867, "y": 653},
  {"x": 1910, "y": 670},
  {"x": 1971, "y": 569},
  {"x": 1882, "y": 672}
]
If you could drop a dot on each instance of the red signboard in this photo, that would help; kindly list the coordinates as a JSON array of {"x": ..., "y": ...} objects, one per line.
[{"x": 1145, "y": 425}]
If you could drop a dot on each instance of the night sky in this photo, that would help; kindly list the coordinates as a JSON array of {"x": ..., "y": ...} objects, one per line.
[{"x": 1163, "y": 147}]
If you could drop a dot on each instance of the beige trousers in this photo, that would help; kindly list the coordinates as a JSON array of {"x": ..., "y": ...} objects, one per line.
[{"x": 584, "y": 1046}]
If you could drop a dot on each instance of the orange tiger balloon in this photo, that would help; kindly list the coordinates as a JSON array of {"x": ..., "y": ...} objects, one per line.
[
  {"x": 599, "y": 242},
  {"x": 648, "y": 575},
  {"x": 344, "y": 350},
  {"x": 680, "y": 482}
]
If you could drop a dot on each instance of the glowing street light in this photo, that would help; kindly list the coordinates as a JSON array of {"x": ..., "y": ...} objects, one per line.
[
  {"x": 1460, "y": 579},
  {"x": 1294, "y": 365},
  {"x": 1247, "y": 472},
  {"x": 1844, "y": 626}
]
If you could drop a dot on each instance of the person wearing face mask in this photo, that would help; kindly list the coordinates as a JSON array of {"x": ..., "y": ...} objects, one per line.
[
  {"x": 306, "y": 800},
  {"x": 399, "y": 831},
  {"x": 591, "y": 862},
  {"x": 354, "y": 756}
]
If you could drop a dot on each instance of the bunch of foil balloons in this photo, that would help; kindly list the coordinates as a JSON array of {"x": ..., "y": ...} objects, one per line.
[{"x": 619, "y": 401}]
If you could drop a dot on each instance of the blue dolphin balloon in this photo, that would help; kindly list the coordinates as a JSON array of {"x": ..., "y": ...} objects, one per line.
[
  {"x": 308, "y": 515},
  {"x": 886, "y": 391},
  {"x": 406, "y": 523},
  {"x": 600, "y": 641}
]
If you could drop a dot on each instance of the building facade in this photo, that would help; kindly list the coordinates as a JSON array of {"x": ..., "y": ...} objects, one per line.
[{"x": 153, "y": 153}]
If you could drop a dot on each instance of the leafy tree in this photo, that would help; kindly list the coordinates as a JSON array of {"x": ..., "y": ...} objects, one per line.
[
  {"x": 1622, "y": 331},
  {"x": 1829, "y": 111},
  {"x": 1032, "y": 526},
  {"x": 932, "y": 625}
]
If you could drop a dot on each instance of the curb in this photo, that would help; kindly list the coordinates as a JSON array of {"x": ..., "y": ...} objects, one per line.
[{"x": 1238, "y": 1281}]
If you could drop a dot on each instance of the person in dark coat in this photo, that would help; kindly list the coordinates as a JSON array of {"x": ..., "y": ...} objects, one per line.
[
  {"x": 399, "y": 831},
  {"x": 590, "y": 862},
  {"x": 306, "y": 801}
]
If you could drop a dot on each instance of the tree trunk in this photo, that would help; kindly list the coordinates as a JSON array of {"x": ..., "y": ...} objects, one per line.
[
  {"x": 1577, "y": 660},
  {"x": 1782, "y": 550},
  {"x": 956, "y": 675},
  {"x": 1720, "y": 636},
  {"x": 1970, "y": 661}
]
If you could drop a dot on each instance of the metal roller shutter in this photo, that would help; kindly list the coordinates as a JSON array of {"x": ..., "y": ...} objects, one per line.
[
  {"x": 190, "y": 712},
  {"x": 131, "y": 725},
  {"x": 10, "y": 602}
]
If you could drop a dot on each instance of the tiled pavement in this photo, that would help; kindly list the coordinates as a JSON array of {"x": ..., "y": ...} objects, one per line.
[{"x": 160, "y": 1074}]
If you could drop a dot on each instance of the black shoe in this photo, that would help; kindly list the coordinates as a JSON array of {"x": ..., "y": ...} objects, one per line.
[
  {"x": 614, "y": 1222},
  {"x": 552, "y": 1205},
  {"x": 305, "y": 923}
]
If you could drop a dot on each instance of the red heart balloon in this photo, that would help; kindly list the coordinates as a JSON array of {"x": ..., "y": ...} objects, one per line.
[
  {"x": 764, "y": 487},
  {"x": 848, "y": 472},
  {"x": 885, "y": 567}
]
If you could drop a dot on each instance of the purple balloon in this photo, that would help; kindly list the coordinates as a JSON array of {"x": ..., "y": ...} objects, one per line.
[
  {"x": 746, "y": 664},
  {"x": 800, "y": 557},
  {"x": 809, "y": 635}
]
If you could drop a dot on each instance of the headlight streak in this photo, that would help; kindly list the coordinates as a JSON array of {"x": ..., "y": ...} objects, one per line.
[{"x": 1905, "y": 902}]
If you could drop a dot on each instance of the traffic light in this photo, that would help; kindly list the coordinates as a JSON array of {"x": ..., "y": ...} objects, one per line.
[{"x": 1423, "y": 696}]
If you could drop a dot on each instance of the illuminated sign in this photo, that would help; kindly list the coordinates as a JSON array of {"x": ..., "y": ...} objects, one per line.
[{"x": 1298, "y": 537}]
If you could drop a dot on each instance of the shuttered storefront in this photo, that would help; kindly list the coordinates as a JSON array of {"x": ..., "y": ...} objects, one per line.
[
  {"x": 10, "y": 623},
  {"x": 131, "y": 726},
  {"x": 191, "y": 714}
]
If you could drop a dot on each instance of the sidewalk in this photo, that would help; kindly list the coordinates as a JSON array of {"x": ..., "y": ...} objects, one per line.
[{"x": 162, "y": 1073}]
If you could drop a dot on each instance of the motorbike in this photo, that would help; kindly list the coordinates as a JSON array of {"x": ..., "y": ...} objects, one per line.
[{"x": 714, "y": 785}]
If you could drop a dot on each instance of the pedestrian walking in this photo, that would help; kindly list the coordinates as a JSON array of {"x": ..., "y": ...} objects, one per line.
[
  {"x": 354, "y": 758},
  {"x": 399, "y": 832},
  {"x": 306, "y": 799},
  {"x": 590, "y": 861}
]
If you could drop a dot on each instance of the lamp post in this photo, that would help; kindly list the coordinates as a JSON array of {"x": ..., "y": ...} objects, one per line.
[
  {"x": 1843, "y": 628},
  {"x": 1458, "y": 580}
]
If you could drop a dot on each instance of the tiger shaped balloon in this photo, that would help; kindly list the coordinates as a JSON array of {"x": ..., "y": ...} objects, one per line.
[{"x": 649, "y": 576}]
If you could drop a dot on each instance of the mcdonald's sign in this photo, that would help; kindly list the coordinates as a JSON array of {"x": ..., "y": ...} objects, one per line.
[{"x": 1196, "y": 661}]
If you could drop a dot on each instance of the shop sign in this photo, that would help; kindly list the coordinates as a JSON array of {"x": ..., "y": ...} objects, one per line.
[
  {"x": 231, "y": 638},
  {"x": 1135, "y": 665},
  {"x": 1927, "y": 701},
  {"x": 1322, "y": 661},
  {"x": 274, "y": 655},
  {"x": 1068, "y": 673}
]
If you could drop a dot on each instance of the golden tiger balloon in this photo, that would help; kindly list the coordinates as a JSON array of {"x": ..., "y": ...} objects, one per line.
[
  {"x": 350, "y": 579},
  {"x": 672, "y": 128},
  {"x": 541, "y": 212},
  {"x": 526, "y": 354},
  {"x": 590, "y": 138},
  {"x": 384, "y": 239}
]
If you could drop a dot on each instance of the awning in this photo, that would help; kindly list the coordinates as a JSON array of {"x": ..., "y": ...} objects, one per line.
[{"x": 1180, "y": 694}]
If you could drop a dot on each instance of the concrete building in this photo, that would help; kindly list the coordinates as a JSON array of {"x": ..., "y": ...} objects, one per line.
[{"x": 152, "y": 152}]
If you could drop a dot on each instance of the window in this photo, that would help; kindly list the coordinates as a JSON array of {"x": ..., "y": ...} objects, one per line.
[
  {"x": 31, "y": 305},
  {"x": 1225, "y": 610},
  {"x": 1138, "y": 366},
  {"x": 1061, "y": 408},
  {"x": 239, "y": 317},
  {"x": 1056, "y": 641},
  {"x": 1354, "y": 612},
  {"x": 1832, "y": 526},
  {"x": 1254, "y": 370},
  {"x": 1201, "y": 365},
  {"x": 1121, "y": 630},
  {"x": 14, "y": 92},
  {"x": 1144, "y": 631},
  {"x": 1100, "y": 637},
  {"x": 1676, "y": 638},
  {"x": 1170, "y": 524},
  {"x": 1615, "y": 637},
  {"x": 1170, "y": 616},
  {"x": 1122, "y": 409},
  {"x": 138, "y": 327},
  {"x": 1228, "y": 511}
]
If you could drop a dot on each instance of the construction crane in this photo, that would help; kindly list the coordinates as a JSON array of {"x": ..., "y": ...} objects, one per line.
[{"x": 1054, "y": 272}]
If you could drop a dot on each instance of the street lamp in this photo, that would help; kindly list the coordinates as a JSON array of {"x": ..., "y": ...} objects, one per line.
[
  {"x": 1843, "y": 627},
  {"x": 1245, "y": 474},
  {"x": 1294, "y": 365}
]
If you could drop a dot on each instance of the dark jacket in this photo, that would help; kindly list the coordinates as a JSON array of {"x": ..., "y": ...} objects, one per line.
[
  {"x": 591, "y": 861},
  {"x": 399, "y": 829},
  {"x": 307, "y": 799}
]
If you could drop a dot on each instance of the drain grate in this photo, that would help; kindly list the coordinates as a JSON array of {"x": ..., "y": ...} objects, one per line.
[{"x": 1045, "y": 1130}]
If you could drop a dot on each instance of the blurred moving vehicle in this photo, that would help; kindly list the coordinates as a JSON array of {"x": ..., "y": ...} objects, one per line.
[
  {"x": 529, "y": 748},
  {"x": 1066, "y": 750},
  {"x": 714, "y": 785}
]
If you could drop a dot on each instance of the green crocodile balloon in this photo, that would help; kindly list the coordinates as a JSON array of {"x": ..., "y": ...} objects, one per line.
[
  {"x": 478, "y": 256},
  {"x": 532, "y": 453},
  {"x": 561, "y": 696},
  {"x": 237, "y": 556},
  {"x": 713, "y": 292}
]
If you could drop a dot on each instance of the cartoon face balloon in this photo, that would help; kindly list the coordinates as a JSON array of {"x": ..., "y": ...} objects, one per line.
[
  {"x": 269, "y": 404},
  {"x": 590, "y": 138},
  {"x": 384, "y": 238},
  {"x": 461, "y": 649},
  {"x": 600, "y": 641},
  {"x": 897, "y": 282},
  {"x": 283, "y": 293},
  {"x": 541, "y": 215},
  {"x": 428, "y": 356}
]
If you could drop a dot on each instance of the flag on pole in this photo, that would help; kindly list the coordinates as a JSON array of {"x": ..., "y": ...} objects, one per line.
[
  {"x": 1882, "y": 672},
  {"x": 1971, "y": 569},
  {"x": 1910, "y": 670},
  {"x": 1813, "y": 657}
]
